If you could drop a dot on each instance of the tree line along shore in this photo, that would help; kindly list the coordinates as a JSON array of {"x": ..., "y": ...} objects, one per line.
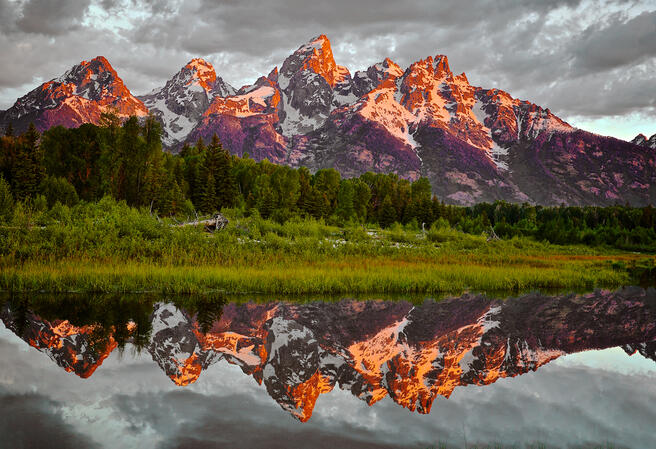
[{"x": 97, "y": 208}]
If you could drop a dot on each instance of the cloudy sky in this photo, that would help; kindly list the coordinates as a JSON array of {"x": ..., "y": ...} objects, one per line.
[{"x": 592, "y": 62}]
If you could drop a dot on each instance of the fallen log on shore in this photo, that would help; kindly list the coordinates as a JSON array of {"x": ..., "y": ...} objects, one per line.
[{"x": 216, "y": 223}]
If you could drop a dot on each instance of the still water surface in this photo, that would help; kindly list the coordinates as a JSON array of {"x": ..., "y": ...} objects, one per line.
[{"x": 563, "y": 370}]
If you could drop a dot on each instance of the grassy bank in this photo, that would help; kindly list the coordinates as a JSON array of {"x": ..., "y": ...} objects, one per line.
[
  {"x": 347, "y": 275},
  {"x": 109, "y": 247}
]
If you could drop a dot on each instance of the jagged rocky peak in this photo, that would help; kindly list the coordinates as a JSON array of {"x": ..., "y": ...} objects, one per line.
[
  {"x": 181, "y": 102},
  {"x": 316, "y": 56},
  {"x": 432, "y": 67},
  {"x": 94, "y": 80},
  {"x": 78, "y": 96},
  {"x": 651, "y": 143},
  {"x": 642, "y": 141},
  {"x": 202, "y": 72},
  {"x": 273, "y": 75},
  {"x": 312, "y": 85},
  {"x": 366, "y": 80},
  {"x": 87, "y": 76}
]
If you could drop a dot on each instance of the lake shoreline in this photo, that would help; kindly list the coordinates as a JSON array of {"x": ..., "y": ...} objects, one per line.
[
  {"x": 356, "y": 275},
  {"x": 111, "y": 247}
]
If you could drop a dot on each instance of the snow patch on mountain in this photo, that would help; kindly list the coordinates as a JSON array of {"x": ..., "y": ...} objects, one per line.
[
  {"x": 380, "y": 106},
  {"x": 496, "y": 152}
]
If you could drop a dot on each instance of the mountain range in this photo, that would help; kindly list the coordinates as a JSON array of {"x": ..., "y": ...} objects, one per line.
[
  {"x": 474, "y": 144},
  {"x": 412, "y": 353}
]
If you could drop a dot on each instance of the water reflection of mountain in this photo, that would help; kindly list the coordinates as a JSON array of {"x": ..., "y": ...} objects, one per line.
[{"x": 413, "y": 353}]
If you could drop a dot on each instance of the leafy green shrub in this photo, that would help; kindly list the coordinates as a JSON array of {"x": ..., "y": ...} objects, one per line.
[
  {"x": 58, "y": 189},
  {"x": 440, "y": 231},
  {"x": 397, "y": 234},
  {"x": 356, "y": 234}
]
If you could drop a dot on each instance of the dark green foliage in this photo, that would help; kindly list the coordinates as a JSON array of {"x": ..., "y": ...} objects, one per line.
[
  {"x": 345, "y": 197},
  {"x": 27, "y": 170},
  {"x": 387, "y": 214},
  {"x": 75, "y": 154},
  {"x": 6, "y": 201},
  {"x": 209, "y": 202},
  {"x": 59, "y": 189},
  {"x": 126, "y": 161}
]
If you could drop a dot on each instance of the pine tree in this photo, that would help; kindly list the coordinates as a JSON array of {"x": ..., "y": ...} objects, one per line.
[
  {"x": 303, "y": 202},
  {"x": 219, "y": 163},
  {"x": 345, "y": 209},
  {"x": 209, "y": 203},
  {"x": 387, "y": 214},
  {"x": 28, "y": 170},
  {"x": 177, "y": 198},
  {"x": 6, "y": 201},
  {"x": 266, "y": 202},
  {"x": 154, "y": 191},
  {"x": 226, "y": 188}
]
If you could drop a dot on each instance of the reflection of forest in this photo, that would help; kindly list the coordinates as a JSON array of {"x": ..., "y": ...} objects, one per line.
[{"x": 121, "y": 318}]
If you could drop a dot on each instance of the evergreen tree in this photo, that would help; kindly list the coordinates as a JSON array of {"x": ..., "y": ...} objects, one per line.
[
  {"x": 6, "y": 201},
  {"x": 155, "y": 191},
  {"x": 387, "y": 214},
  {"x": 362, "y": 197},
  {"x": 327, "y": 182},
  {"x": 304, "y": 180},
  {"x": 209, "y": 203},
  {"x": 28, "y": 169},
  {"x": 345, "y": 208},
  {"x": 226, "y": 186},
  {"x": 177, "y": 198},
  {"x": 266, "y": 202}
]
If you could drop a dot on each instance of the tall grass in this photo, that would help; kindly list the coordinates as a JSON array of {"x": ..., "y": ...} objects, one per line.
[{"x": 109, "y": 247}]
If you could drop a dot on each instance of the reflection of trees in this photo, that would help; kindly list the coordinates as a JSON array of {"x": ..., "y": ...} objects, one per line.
[
  {"x": 123, "y": 318},
  {"x": 19, "y": 307},
  {"x": 207, "y": 309}
]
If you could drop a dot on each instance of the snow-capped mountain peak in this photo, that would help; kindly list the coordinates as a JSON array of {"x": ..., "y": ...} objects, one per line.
[
  {"x": 181, "y": 102},
  {"x": 316, "y": 56},
  {"x": 202, "y": 73},
  {"x": 78, "y": 96},
  {"x": 474, "y": 144},
  {"x": 641, "y": 140}
]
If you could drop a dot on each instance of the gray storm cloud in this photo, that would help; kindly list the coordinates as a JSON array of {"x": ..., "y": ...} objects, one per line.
[{"x": 563, "y": 55}]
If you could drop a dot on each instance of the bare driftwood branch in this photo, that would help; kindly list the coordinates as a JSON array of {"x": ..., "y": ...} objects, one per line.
[
  {"x": 492, "y": 235},
  {"x": 216, "y": 223}
]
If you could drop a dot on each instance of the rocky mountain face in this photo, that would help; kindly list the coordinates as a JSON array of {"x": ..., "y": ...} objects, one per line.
[
  {"x": 474, "y": 144},
  {"x": 79, "y": 96},
  {"x": 180, "y": 104},
  {"x": 75, "y": 348},
  {"x": 642, "y": 141},
  {"x": 373, "y": 349}
]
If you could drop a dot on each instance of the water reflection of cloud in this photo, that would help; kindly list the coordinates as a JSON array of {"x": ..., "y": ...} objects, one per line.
[
  {"x": 587, "y": 397},
  {"x": 32, "y": 420}
]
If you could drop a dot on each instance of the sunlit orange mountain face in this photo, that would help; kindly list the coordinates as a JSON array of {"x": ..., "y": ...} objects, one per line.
[
  {"x": 473, "y": 143},
  {"x": 412, "y": 353}
]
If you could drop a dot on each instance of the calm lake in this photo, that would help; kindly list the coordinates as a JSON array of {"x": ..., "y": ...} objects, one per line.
[{"x": 535, "y": 370}]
